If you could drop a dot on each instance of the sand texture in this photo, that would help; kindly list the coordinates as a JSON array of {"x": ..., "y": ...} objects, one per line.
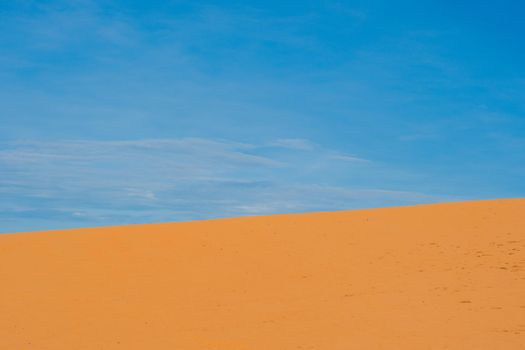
[{"x": 445, "y": 276}]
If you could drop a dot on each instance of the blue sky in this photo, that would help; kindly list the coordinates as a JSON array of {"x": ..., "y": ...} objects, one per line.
[{"x": 118, "y": 112}]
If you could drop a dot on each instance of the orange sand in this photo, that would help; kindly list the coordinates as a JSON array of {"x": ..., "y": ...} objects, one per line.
[{"x": 446, "y": 276}]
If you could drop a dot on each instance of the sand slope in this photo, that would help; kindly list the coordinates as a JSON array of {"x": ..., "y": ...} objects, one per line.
[{"x": 446, "y": 276}]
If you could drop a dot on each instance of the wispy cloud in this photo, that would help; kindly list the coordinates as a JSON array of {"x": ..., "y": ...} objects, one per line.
[
  {"x": 55, "y": 184},
  {"x": 347, "y": 158},
  {"x": 299, "y": 144}
]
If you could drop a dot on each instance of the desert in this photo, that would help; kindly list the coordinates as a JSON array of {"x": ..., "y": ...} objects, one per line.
[{"x": 440, "y": 276}]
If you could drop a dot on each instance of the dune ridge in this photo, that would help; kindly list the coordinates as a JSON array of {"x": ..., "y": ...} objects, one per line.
[{"x": 441, "y": 276}]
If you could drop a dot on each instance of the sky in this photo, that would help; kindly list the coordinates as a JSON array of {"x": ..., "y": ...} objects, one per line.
[{"x": 139, "y": 111}]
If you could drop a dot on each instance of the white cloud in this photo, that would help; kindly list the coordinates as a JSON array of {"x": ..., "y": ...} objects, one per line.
[
  {"x": 298, "y": 144},
  {"x": 72, "y": 183},
  {"x": 348, "y": 158}
]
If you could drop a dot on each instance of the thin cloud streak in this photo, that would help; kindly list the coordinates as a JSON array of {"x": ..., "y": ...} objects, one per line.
[{"x": 75, "y": 183}]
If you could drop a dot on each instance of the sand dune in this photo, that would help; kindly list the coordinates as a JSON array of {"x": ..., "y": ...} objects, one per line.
[{"x": 445, "y": 276}]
